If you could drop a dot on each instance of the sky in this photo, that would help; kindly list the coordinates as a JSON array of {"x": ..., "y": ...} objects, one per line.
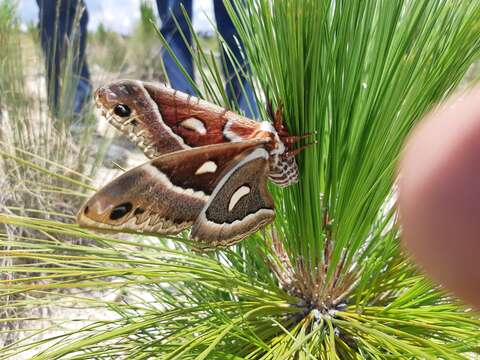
[{"x": 120, "y": 15}]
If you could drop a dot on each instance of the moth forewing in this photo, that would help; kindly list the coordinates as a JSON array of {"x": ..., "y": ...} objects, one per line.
[
  {"x": 160, "y": 120},
  {"x": 239, "y": 205}
]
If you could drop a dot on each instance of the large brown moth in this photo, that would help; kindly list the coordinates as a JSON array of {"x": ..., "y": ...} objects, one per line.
[{"x": 209, "y": 166}]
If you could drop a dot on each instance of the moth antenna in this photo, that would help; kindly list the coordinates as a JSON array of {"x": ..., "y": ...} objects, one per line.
[
  {"x": 296, "y": 138},
  {"x": 278, "y": 120},
  {"x": 293, "y": 153},
  {"x": 270, "y": 111}
]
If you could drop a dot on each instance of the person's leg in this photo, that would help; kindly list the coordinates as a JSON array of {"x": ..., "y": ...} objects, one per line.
[
  {"x": 162, "y": 6},
  {"x": 49, "y": 38},
  {"x": 237, "y": 86},
  {"x": 84, "y": 86},
  {"x": 168, "y": 10},
  {"x": 56, "y": 23}
]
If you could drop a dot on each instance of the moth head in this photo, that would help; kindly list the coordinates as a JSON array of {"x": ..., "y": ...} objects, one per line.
[{"x": 122, "y": 102}]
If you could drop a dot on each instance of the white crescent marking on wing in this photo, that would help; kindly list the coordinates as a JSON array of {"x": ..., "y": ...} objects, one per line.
[
  {"x": 237, "y": 195},
  {"x": 195, "y": 125},
  {"x": 207, "y": 167}
]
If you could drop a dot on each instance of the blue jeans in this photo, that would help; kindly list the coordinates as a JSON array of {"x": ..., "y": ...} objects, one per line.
[
  {"x": 55, "y": 28},
  {"x": 170, "y": 9}
]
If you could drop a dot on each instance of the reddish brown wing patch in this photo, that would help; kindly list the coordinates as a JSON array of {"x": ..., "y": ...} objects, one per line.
[{"x": 199, "y": 122}]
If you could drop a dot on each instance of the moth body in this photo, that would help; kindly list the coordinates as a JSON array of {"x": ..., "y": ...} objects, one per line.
[{"x": 208, "y": 170}]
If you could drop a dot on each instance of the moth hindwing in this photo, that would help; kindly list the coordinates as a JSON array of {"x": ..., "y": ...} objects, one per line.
[
  {"x": 221, "y": 189},
  {"x": 240, "y": 203}
]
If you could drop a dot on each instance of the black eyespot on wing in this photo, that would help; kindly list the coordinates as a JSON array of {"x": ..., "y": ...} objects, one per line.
[
  {"x": 122, "y": 110},
  {"x": 120, "y": 211},
  {"x": 134, "y": 122},
  {"x": 138, "y": 211},
  {"x": 85, "y": 211}
]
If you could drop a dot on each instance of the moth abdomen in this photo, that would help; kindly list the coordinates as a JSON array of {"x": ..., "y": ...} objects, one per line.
[{"x": 284, "y": 172}]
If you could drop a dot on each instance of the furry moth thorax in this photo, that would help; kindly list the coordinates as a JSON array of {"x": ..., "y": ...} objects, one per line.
[{"x": 209, "y": 166}]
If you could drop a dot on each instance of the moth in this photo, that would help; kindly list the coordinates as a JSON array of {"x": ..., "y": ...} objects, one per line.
[{"x": 208, "y": 170}]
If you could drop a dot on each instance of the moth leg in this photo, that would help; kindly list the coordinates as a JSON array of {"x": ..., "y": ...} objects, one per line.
[
  {"x": 281, "y": 128},
  {"x": 295, "y": 152},
  {"x": 290, "y": 140}
]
